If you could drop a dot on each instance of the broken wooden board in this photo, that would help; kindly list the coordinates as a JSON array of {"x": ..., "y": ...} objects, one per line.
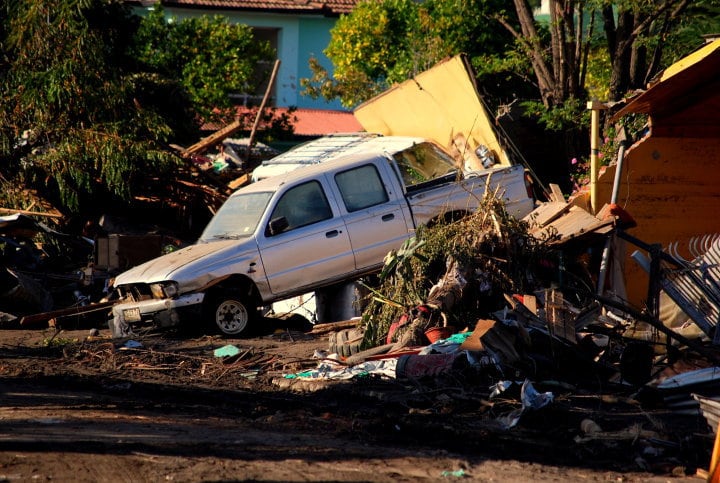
[
  {"x": 238, "y": 182},
  {"x": 213, "y": 139},
  {"x": 72, "y": 311},
  {"x": 572, "y": 224},
  {"x": 559, "y": 318},
  {"x": 546, "y": 213}
]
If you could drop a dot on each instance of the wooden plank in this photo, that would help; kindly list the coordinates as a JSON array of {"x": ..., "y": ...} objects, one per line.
[
  {"x": 253, "y": 131},
  {"x": 213, "y": 139},
  {"x": 546, "y": 212},
  {"x": 335, "y": 326},
  {"x": 11, "y": 211},
  {"x": 559, "y": 320},
  {"x": 576, "y": 222},
  {"x": 238, "y": 182},
  {"x": 45, "y": 316},
  {"x": 556, "y": 194},
  {"x": 530, "y": 301}
]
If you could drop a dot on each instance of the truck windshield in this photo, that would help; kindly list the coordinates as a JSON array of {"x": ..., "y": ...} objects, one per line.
[
  {"x": 237, "y": 217},
  {"x": 423, "y": 162}
]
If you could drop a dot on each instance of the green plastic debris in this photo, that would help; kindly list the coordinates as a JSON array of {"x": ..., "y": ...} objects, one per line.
[
  {"x": 227, "y": 351},
  {"x": 308, "y": 373},
  {"x": 459, "y": 338},
  {"x": 456, "y": 474}
]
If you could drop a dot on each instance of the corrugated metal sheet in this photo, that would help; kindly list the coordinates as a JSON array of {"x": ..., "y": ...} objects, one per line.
[{"x": 710, "y": 408}]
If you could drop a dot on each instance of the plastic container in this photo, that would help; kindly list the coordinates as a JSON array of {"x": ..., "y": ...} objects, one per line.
[{"x": 437, "y": 333}]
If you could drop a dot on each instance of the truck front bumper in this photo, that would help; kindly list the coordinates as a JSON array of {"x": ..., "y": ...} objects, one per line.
[{"x": 161, "y": 312}]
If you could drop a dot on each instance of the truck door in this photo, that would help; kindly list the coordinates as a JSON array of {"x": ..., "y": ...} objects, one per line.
[
  {"x": 312, "y": 246},
  {"x": 376, "y": 216}
]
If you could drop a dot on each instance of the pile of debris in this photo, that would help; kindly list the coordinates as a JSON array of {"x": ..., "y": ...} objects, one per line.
[{"x": 515, "y": 305}]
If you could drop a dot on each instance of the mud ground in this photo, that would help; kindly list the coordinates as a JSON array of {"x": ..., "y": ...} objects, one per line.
[{"x": 164, "y": 408}]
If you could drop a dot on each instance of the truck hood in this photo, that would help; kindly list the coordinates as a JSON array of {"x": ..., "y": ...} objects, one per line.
[{"x": 187, "y": 263}]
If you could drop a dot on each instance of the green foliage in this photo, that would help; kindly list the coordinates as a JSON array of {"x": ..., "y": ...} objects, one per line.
[
  {"x": 60, "y": 342},
  {"x": 77, "y": 125},
  {"x": 211, "y": 57},
  {"x": 702, "y": 17},
  {"x": 388, "y": 41},
  {"x": 597, "y": 81},
  {"x": 94, "y": 95},
  {"x": 568, "y": 116},
  {"x": 494, "y": 248}
]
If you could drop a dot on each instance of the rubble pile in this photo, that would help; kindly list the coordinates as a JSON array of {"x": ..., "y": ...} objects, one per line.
[
  {"x": 453, "y": 273},
  {"x": 506, "y": 313}
]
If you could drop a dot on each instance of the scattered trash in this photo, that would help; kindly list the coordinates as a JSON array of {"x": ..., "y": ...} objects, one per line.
[
  {"x": 226, "y": 351},
  {"x": 132, "y": 344},
  {"x": 455, "y": 474}
]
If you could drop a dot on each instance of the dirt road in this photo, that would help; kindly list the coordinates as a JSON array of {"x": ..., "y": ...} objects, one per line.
[{"x": 74, "y": 409}]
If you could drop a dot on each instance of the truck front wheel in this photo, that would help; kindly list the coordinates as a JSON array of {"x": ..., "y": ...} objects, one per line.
[{"x": 231, "y": 314}]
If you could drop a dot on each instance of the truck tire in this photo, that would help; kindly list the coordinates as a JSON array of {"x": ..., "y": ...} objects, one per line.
[
  {"x": 345, "y": 342},
  {"x": 231, "y": 314}
]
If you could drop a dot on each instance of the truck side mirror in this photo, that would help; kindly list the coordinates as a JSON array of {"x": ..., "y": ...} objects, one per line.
[{"x": 278, "y": 225}]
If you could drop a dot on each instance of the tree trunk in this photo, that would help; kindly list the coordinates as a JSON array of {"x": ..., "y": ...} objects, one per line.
[
  {"x": 621, "y": 55},
  {"x": 531, "y": 40},
  {"x": 629, "y": 61}
]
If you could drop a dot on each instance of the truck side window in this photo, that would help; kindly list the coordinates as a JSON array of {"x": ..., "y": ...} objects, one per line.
[
  {"x": 303, "y": 205},
  {"x": 361, "y": 188}
]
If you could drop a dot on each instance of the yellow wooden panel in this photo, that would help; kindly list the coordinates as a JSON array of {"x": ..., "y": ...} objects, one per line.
[{"x": 441, "y": 104}]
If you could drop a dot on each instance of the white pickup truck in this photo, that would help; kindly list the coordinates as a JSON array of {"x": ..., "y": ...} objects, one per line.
[{"x": 303, "y": 230}]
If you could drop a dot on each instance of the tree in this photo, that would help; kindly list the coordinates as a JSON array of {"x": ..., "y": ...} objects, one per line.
[
  {"x": 584, "y": 49},
  {"x": 388, "y": 41},
  {"x": 71, "y": 123},
  {"x": 209, "y": 56},
  {"x": 635, "y": 33},
  {"x": 82, "y": 119}
]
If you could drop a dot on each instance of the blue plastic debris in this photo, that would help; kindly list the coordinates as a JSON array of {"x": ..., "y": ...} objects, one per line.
[{"x": 132, "y": 344}]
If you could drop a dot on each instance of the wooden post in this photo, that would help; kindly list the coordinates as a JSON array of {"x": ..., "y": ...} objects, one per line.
[
  {"x": 251, "y": 141},
  {"x": 595, "y": 106}
]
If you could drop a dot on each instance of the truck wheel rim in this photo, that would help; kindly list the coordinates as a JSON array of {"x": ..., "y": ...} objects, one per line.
[{"x": 232, "y": 317}]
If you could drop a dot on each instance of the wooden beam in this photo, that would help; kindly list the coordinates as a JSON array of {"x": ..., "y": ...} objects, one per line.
[
  {"x": 213, "y": 139},
  {"x": 45, "y": 316},
  {"x": 253, "y": 131},
  {"x": 12, "y": 211}
]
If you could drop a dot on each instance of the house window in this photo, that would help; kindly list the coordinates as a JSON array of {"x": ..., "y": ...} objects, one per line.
[{"x": 262, "y": 74}]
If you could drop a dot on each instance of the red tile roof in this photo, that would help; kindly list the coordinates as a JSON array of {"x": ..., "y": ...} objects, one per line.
[
  {"x": 308, "y": 122},
  {"x": 326, "y": 7},
  {"x": 318, "y": 122}
]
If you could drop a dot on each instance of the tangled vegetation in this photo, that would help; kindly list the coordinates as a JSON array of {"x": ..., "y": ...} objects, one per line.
[{"x": 496, "y": 253}]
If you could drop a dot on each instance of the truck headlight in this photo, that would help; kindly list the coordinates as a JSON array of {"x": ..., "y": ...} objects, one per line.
[{"x": 163, "y": 290}]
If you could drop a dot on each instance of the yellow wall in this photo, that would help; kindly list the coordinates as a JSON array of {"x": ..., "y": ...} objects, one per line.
[{"x": 671, "y": 187}]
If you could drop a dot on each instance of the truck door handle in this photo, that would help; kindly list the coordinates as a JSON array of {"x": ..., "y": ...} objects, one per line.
[
  {"x": 388, "y": 217},
  {"x": 332, "y": 234},
  {"x": 251, "y": 268}
]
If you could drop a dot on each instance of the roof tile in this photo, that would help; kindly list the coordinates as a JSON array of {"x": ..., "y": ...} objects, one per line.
[
  {"x": 335, "y": 7},
  {"x": 310, "y": 122},
  {"x": 319, "y": 122}
]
